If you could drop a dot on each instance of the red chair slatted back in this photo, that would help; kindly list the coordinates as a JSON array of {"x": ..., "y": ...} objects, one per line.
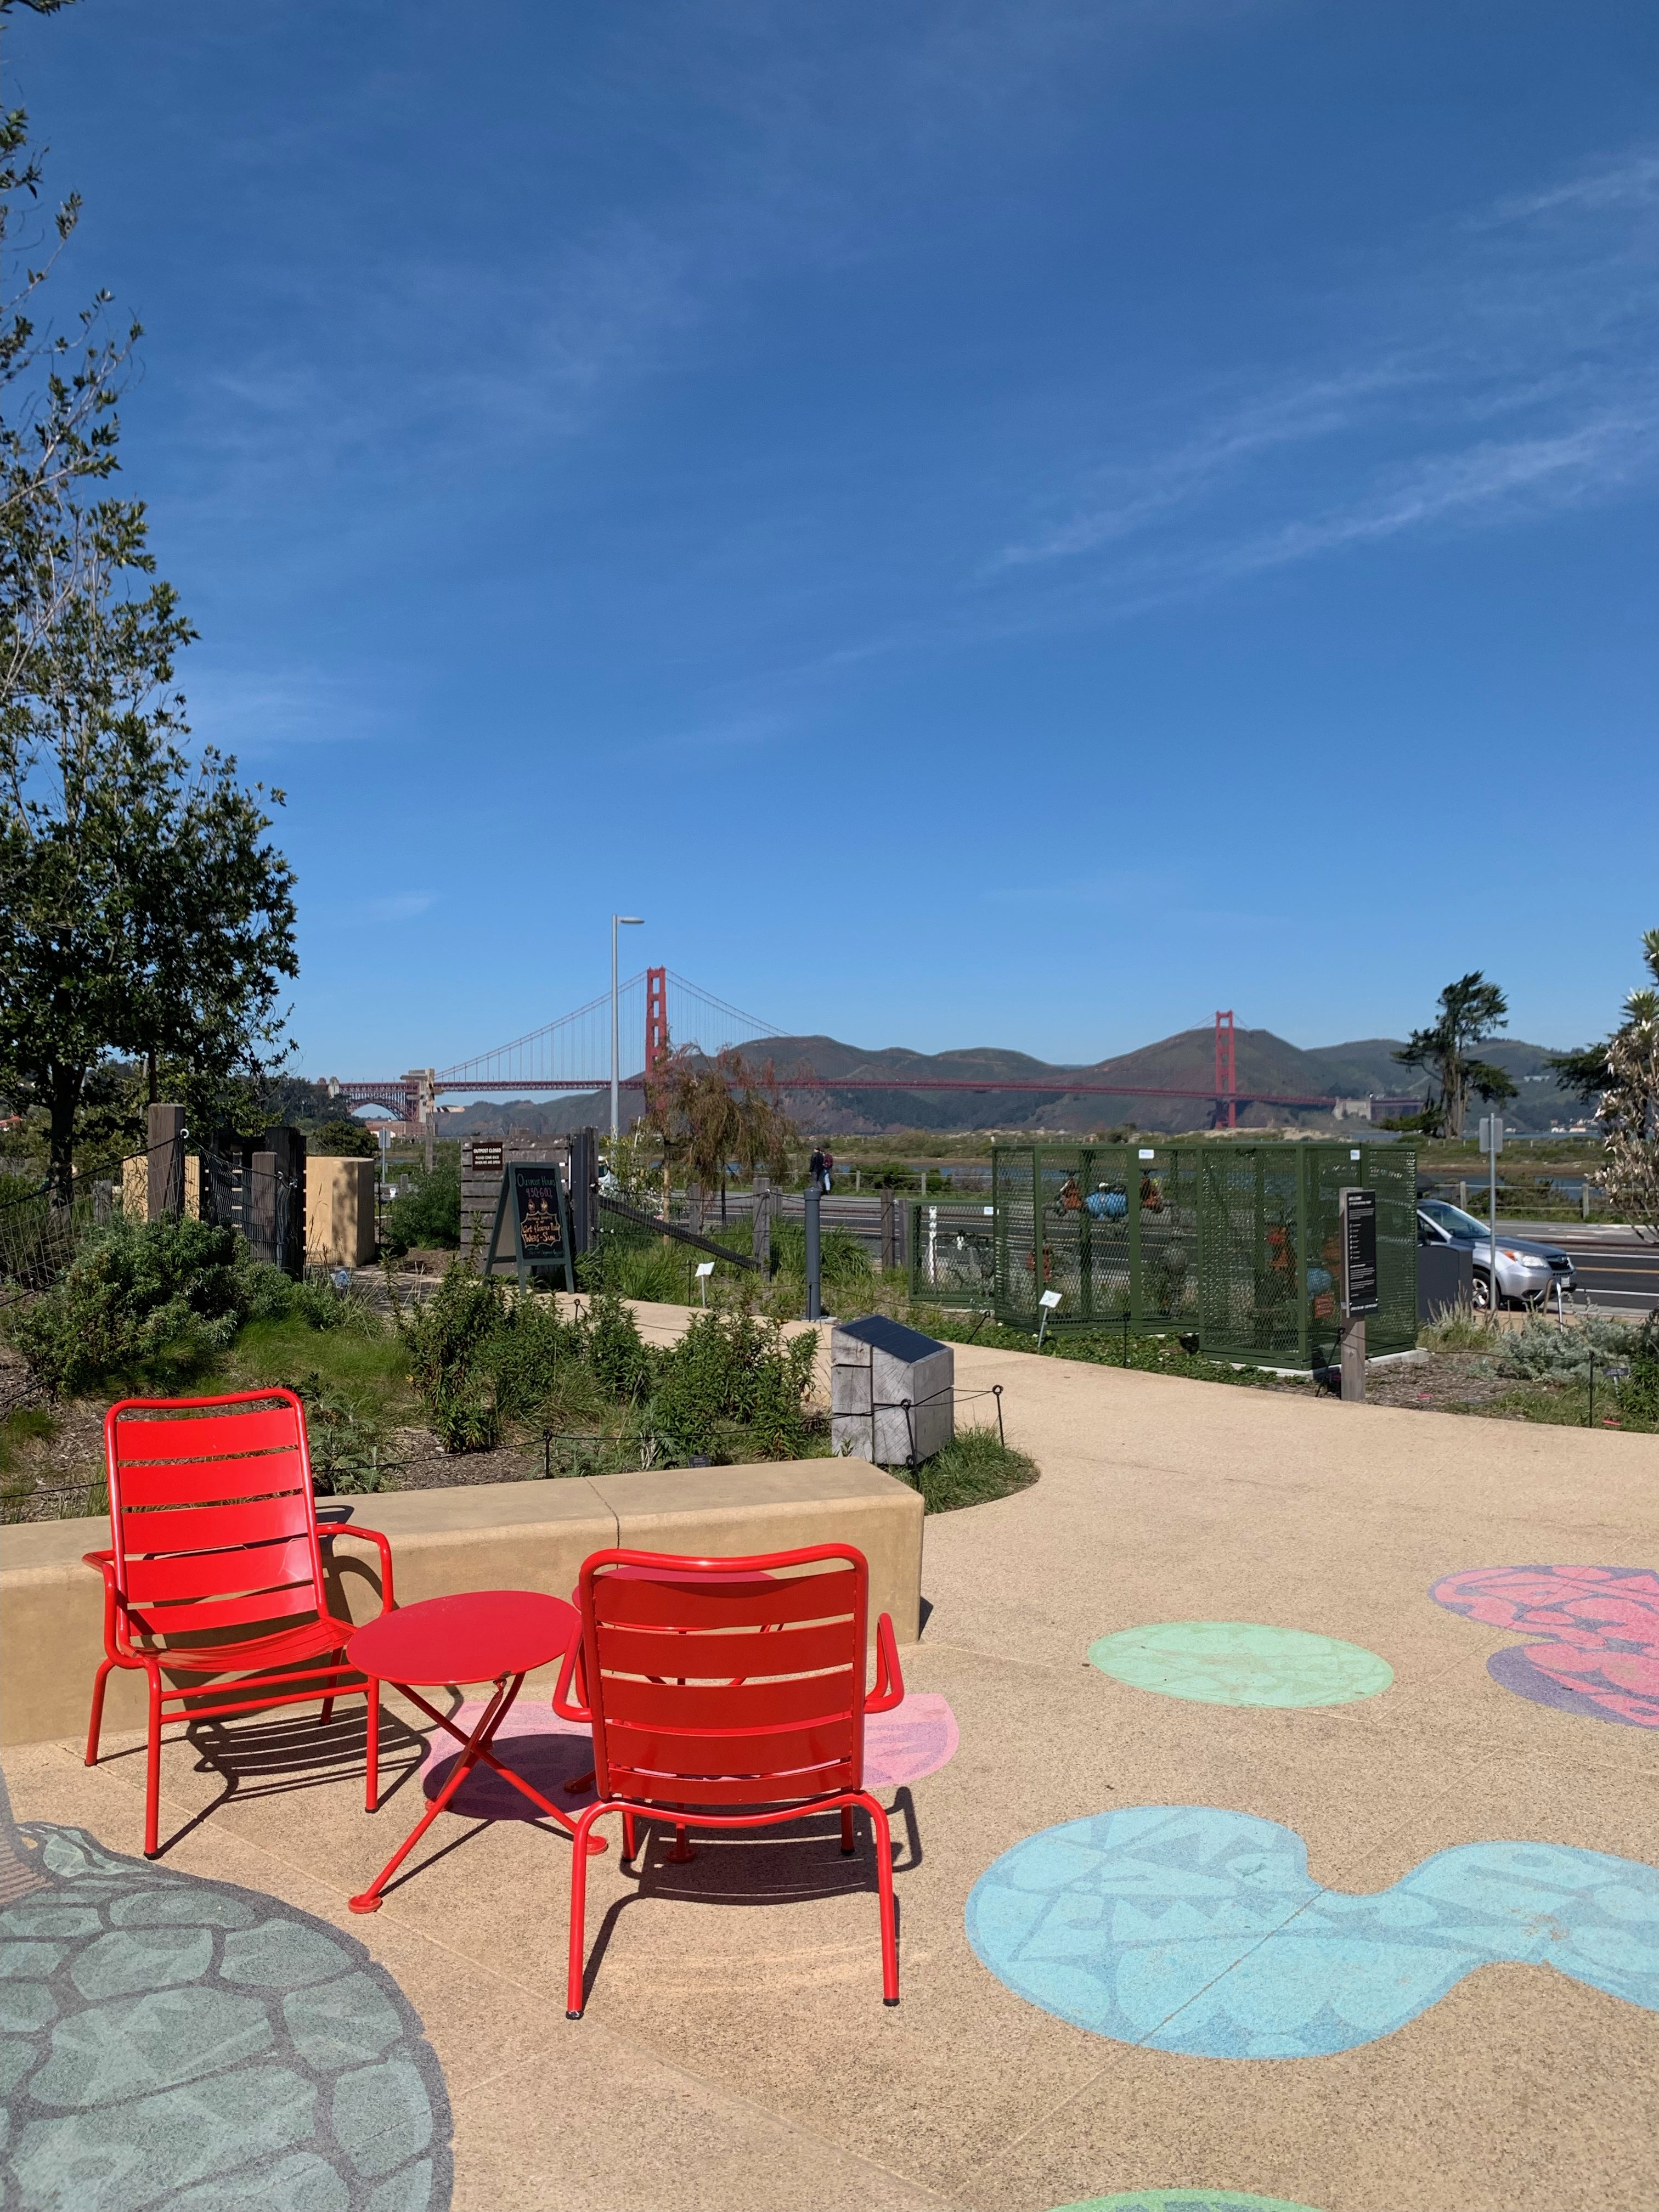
[
  {"x": 211, "y": 1513},
  {"x": 711, "y": 1683}
]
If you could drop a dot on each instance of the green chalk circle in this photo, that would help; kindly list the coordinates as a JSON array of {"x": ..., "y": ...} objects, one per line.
[
  {"x": 1183, "y": 2200},
  {"x": 1238, "y": 1662}
]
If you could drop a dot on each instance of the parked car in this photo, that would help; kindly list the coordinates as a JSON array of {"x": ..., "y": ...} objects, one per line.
[{"x": 1527, "y": 1273}]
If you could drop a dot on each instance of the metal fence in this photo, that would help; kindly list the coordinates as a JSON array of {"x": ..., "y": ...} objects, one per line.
[
  {"x": 952, "y": 1252},
  {"x": 1236, "y": 1243},
  {"x": 39, "y": 1233}
]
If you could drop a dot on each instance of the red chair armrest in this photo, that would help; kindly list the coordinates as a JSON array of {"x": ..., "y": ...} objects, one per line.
[
  {"x": 568, "y": 1704},
  {"x": 331, "y": 1531},
  {"x": 103, "y": 1562},
  {"x": 890, "y": 1679}
]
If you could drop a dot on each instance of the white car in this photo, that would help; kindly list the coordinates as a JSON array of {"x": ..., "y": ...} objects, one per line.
[{"x": 1527, "y": 1273}]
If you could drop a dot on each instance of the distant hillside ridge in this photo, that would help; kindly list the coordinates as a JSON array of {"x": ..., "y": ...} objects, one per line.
[{"x": 1185, "y": 1061}]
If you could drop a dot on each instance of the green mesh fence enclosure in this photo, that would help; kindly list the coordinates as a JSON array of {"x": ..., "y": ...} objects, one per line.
[
  {"x": 1236, "y": 1242},
  {"x": 952, "y": 1252}
]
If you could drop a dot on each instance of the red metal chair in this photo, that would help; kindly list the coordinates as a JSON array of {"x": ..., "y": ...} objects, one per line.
[
  {"x": 214, "y": 1530},
  {"x": 710, "y": 1686}
]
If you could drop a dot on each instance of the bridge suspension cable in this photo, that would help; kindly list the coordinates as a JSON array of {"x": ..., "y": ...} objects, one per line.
[{"x": 574, "y": 1052}]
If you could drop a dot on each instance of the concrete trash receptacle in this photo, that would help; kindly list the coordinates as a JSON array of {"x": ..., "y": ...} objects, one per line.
[{"x": 892, "y": 1392}]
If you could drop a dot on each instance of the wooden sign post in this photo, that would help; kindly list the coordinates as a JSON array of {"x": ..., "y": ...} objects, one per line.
[{"x": 534, "y": 1208}]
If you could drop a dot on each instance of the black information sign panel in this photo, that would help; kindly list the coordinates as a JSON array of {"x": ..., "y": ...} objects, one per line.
[
  {"x": 1359, "y": 1252},
  {"x": 532, "y": 1208}
]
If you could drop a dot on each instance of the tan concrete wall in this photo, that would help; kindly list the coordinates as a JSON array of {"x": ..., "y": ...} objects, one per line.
[
  {"x": 135, "y": 1187},
  {"x": 339, "y": 1212},
  {"x": 510, "y": 1536}
]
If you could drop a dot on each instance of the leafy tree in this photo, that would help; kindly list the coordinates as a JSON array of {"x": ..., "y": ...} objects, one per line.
[
  {"x": 1472, "y": 1010},
  {"x": 707, "y": 1114},
  {"x": 142, "y": 911},
  {"x": 1585, "y": 1073},
  {"x": 345, "y": 1139},
  {"x": 1630, "y": 1104}
]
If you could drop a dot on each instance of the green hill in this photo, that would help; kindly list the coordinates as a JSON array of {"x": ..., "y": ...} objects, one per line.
[{"x": 1186, "y": 1061}]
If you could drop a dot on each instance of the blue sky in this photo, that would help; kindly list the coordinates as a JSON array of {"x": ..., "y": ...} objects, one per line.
[{"x": 986, "y": 523}]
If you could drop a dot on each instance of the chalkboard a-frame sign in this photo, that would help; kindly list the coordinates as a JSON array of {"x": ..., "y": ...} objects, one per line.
[
  {"x": 1359, "y": 1294},
  {"x": 533, "y": 1207}
]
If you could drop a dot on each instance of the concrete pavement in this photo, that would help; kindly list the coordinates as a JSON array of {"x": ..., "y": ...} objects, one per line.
[{"x": 735, "y": 2052}]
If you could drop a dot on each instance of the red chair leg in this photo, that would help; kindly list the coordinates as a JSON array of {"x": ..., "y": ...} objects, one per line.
[
  {"x": 153, "y": 1768},
  {"x": 96, "y": 1724},
  {"x": 682, "y": 1854},
  {"x": 572, "y": 2000},
  {"x": 890, "y": 1986},
  {"x": 846, "y": 1832},
  {"x": 630, "y": 1838},
  {"x": 372, "y": 1775},
  {"x": 326, "y": 1714}
]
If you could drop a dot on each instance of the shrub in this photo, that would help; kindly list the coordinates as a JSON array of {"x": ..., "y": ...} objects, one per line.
[
  {"x": 137, "y": 1291},
  {"x": 889, "y": 1175},
  {"x": 134, "y": 1290},
  {"x": 449, "y": 1341},
  {"x": 344, "y": 1441},
  {"x": 1638, "y": 1394},
  {"x": 842, "y": 1258},
  {"x": 537, "y": 1363},
  {"x": 973, "y": 1467},
  {"x": 1543, "y": 1353},
  {"x": 428, "y": 1213},
  {"x": 729, "y": 1371},
  {"x": 630, "y": 1269},
  {"x": 612, "y": 1347},
  {"x": 1463, "y": 1327}
]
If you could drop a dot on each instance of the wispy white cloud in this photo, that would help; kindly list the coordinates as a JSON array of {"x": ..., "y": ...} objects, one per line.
[
  {"x": 1631, "y": 180},
  {"x": 253, "y": 712},
  {"x": 1128, "y": 497},
  {"x": 399, "y": 905},
  {"x": 1483, "y": 484},
  {"x": 1509, "y": 371}
]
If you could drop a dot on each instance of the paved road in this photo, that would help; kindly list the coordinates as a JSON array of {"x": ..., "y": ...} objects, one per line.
[{"x": 1611, "y": 1265}]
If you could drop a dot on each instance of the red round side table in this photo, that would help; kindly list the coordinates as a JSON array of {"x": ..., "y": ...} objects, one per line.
[{"x": 476, "y": 1636}]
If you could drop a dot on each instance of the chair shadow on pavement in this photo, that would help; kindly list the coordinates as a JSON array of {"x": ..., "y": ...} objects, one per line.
[
  {"x": 291, "y": 1749},
  {"x": 795, "y": 1864}
]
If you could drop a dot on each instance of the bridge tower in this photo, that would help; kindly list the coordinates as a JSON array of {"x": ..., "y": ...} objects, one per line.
[
  {"x": 1226, "y": 1072},
  {"x": 656, "y": 1017}
]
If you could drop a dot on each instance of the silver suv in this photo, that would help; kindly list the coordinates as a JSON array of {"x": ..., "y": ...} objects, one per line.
[{"x": 1527, "y": 1273}]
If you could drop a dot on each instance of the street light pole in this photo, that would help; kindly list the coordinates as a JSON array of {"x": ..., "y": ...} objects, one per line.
[{"x": 618, "y": 921}]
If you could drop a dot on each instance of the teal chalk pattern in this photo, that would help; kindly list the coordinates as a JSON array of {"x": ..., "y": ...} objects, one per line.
[
  {"x": 1183, "y": 2200},
  {"x": 1187, "y": 1928},
  {"x": 166, "y": 2041}
]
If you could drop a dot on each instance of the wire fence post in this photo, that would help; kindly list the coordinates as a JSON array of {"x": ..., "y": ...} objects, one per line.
[{"x": 166, "y": 1163}]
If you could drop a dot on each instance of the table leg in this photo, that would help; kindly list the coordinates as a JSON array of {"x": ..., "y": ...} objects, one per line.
[
  {"x": 372, "y": 1767},
  {"x": 595, "y": 1842},
  {"x": 369, "y": 1899},
  {"x": 475, "y": 1752}
]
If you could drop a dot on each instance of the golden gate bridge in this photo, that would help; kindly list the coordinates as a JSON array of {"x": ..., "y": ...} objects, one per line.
[{"x": 661, "y": 1008}]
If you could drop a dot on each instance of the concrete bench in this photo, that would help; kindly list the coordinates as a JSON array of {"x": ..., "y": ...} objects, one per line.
[{"x": 503, "y": 1535}]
